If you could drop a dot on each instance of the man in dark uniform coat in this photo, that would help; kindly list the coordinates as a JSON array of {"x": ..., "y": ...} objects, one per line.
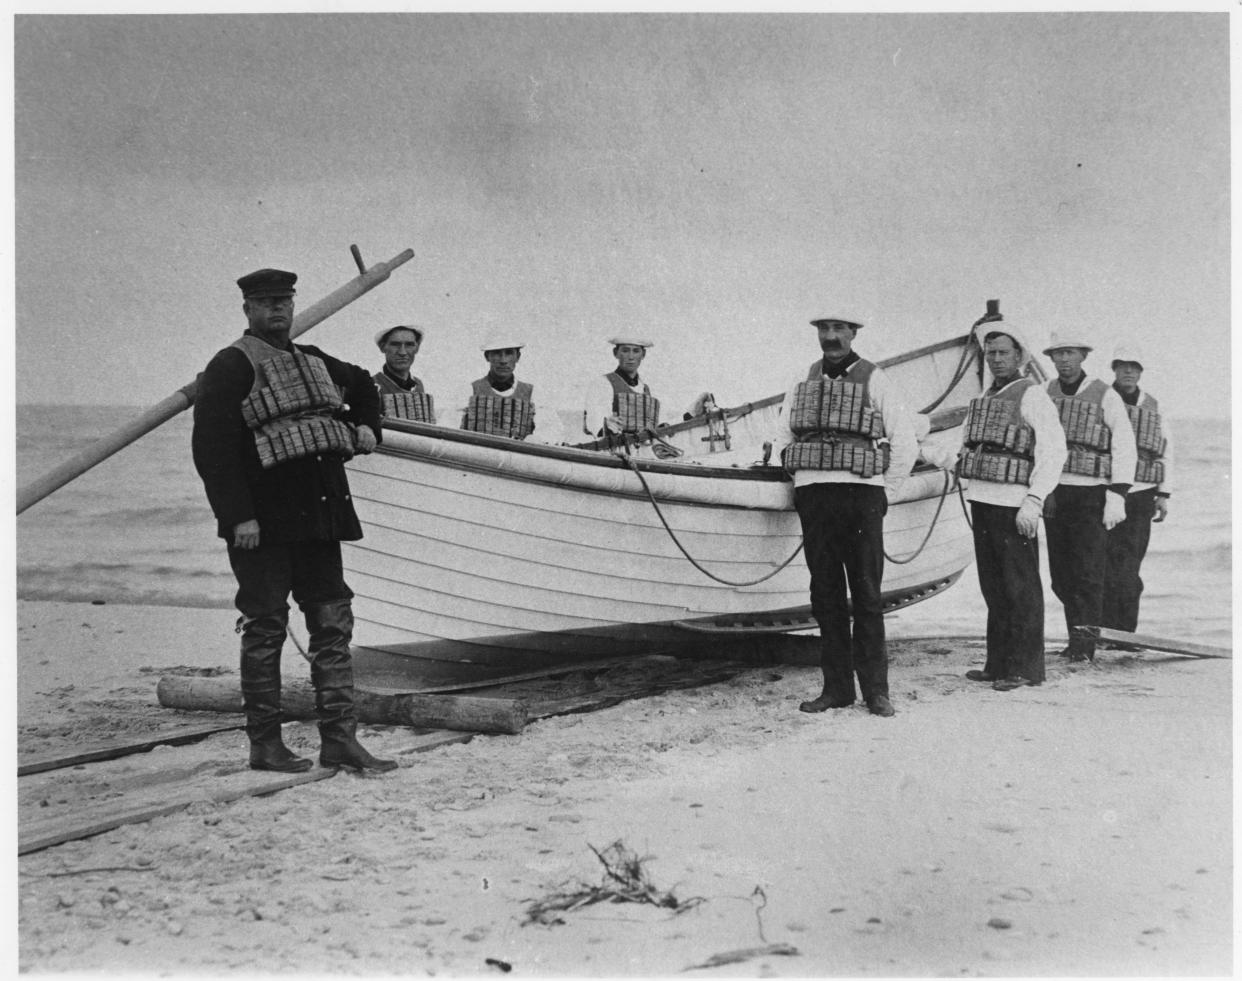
[{"x": 283, "y": 523}]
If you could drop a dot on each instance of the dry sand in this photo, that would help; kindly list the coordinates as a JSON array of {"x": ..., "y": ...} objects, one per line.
[{"x": 1079, "y": 828}]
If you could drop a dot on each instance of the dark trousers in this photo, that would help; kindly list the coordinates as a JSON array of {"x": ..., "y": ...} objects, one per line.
[
  {"x": 1127, "y": 545},
  {"x": 843, "y": 540},
  {"x": 1008, "y": 567},
  {"x": 266, "y": 576},
  {"x": 1076, "y": 556}
]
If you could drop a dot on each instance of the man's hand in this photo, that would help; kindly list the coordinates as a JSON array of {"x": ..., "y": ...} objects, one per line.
[
  {"x": 1114, "y": 509},
  {"x": 612, "y": 424},
  {"x": 1162, "y": 509},
  {"x": 246, "y": 534},
  {"x": 1028, "y": 517},
  {"x": 364, "y": 439}
]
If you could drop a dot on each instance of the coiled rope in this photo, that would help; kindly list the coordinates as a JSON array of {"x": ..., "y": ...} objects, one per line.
[
  {"x": 944, "y": 491},
  {"x": 676, "y": 541}
]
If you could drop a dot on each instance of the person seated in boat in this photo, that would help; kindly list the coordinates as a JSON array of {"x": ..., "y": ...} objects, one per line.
[
  {"x": 1012, "y": 452},
  {"x": 619, "y": 401},
  {"x": 402, "y": 395},
  {"x": 499, "y": 404},
  {"x": 848, "y": 442}
]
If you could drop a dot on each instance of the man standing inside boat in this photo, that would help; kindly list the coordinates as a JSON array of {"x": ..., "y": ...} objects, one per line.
[
  {"x": 849, "y": 443},
  {"x": 1148, "y": 500},
  {"x": 402, "y": 395},
  {"x": 274, "y": 423},
  {"x": 499, "y": 404},
  {"x": 1090, "y": 499},
  {"x": 1012, "y": 452}
]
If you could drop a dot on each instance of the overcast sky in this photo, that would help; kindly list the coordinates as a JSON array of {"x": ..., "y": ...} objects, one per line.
[{"x": 713, "y": 181}]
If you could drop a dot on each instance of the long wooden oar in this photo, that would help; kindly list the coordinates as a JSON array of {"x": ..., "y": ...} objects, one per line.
[
  {"x": 183, "y": 398},
  {"x": 1164, "y": 645}
]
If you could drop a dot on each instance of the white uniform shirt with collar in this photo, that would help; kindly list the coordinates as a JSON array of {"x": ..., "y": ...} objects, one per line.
[
  {"x": 1040, "y": 414},
  {"x": 898, "y": 425},
  {"x": 1124, "y": 453}
]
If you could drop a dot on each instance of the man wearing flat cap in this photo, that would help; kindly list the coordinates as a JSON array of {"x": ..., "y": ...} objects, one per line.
[
  {"x": 274, "y": 423},
  {"x": 621, "y": 402},
  {"x": 499, "y": 404},
  {"x": 849, "y": 443},
  {"x": 1090, "y": 498},
  {"x": 402, "y": 395},
  {"x": 1148, "y": 499}
]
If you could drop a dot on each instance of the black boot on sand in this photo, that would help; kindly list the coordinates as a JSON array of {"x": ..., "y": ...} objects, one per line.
[
  {"x": 330, "y": 626},
  {"x": 262, "y": 638}
]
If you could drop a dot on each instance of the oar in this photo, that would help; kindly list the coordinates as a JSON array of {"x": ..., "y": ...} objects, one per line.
[{"x": 183, "y": 398}]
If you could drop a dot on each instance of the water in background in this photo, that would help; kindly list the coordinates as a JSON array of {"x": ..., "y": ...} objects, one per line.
[{"x": 137, "y": 529}]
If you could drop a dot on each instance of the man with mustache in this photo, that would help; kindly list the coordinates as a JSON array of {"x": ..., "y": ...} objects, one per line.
[
  {"x": 274, "y": 423},
  {"x": 849, "y": 443}
]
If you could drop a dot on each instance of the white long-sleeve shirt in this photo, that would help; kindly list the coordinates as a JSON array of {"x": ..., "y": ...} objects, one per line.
[
  {"x": 1124, "y": 452},
  {"x": 597, "y": 402},
  {"x": 898, "y": 425},
  {"x": 1040, "y": 414}
]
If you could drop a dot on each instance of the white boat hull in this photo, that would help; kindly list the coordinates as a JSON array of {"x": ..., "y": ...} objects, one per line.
[{"x": 475, "y": 545}]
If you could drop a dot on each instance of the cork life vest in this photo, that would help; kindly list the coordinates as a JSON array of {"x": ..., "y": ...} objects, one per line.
[
  {"x": 999, "y": 446},
  {"x": 835, "y": 425},
  {"x": 292, "y": 405},
  {"x": 1087, "y": 437},
  {"x": 398, "y": 403},
  {"x": 1150, "y": 440},
  {"x": 512, "y": 416},
  {"x": 638, "y": 412}
]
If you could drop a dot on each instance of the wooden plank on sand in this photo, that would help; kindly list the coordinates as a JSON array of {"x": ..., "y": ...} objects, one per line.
[
  {"x": 616, "y": 692},
  {"x": 1162, "y": 644},
  {"x": 116, "y": 748},
  {"x": 89, "y": 821},
  {"x": 466, "y": 713}
]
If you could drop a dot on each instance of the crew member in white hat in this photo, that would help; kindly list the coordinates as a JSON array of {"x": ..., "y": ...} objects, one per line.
[
  {"x": 1090, "y": 498},
  {"x": 1148, "y": 499},
  {"x": 845, "y": 469},
  {"x": 1013, "y": 449},
  {"x": 402, "y": 394},
  {"x": 499, "y": 404},
  {"x": 619, "y": 401}
]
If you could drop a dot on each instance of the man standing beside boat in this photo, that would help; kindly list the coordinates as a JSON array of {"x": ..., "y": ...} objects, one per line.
[
  {"x": 499, "y": 404},
  {"x": 1148, "y": 500},
  {"x": 274, "y": 423},
  {"x": 402, "y": 395},
  {"x": 1090, "y": 499},
  {"x": 1013, "y": 449},
  {"x": 849, "y": 443}
]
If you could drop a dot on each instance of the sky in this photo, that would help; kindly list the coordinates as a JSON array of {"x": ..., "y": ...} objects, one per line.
[{"x": 713, "y": 181}]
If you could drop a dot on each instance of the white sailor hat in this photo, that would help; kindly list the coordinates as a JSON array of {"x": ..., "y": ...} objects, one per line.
[
  {"x": 1058, "y": 341},
  {"x": 1009, "y": 329},
  {"x": 1127, "y": 351},
  {"x": 837, "y": 318},
  {"x": 630, "y": 339},
  {"x": 382, "y": 335},
  {"x": 500, "y": 342}
]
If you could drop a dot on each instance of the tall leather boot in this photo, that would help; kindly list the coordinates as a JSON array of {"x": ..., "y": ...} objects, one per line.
[
  {"x": 262, "y": 638},
  {"x": 331, "y": 627}
]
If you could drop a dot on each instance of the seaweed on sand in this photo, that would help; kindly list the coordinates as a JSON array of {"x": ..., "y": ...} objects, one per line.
[{"x": 625, "y": 880}]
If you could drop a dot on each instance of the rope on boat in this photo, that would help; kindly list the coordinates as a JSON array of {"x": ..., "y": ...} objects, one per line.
[
  {"x": 961, "y": 496},
  {"x": 673, "y": 535},
  {"x": 964, "y": 361},
  {"x": 944, "y": 491}
]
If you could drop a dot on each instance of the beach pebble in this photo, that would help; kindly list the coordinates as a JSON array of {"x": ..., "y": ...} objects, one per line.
[
  {"x": 999, "y": 923},
  {"x": 64, "y": 902},
  {"x": 175, "y": 927}
]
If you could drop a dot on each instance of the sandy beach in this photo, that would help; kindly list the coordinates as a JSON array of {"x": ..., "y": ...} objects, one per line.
[{"x": 1078, "y": 828}]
